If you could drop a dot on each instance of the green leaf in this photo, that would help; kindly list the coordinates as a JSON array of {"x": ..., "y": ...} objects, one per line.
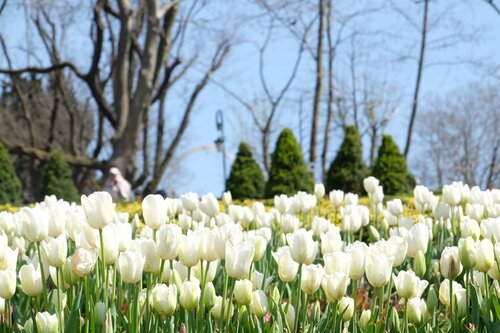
[{"x": 73, "y": 322}]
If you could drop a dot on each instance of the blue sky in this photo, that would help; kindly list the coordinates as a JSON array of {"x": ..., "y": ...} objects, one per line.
[{"x": 386, "y": 50}]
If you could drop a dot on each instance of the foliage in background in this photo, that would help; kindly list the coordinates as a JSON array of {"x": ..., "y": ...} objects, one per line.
[
  {"x": 10, "y": 187},
  {"x": 289, "y": 173},
  {"x": 58, "y": 180},
  {"x": 390, "y": 168},
  {"x": 347, "y": 170},
  {"x": 246, "y": 180}
]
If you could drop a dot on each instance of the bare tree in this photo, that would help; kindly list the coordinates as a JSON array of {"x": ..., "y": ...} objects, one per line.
[
  {"x": 138, "y": 55},
  {"x": 461, "y": 138}
]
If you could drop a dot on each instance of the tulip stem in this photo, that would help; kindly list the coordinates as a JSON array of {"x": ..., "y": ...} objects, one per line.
[
  {"x": 355, "y": 298},
  {"x": 59, "y": 301},
  {"x": 297, "y": 303},
  {"x": 44, "y": 280},
  {"x": 224, "y": 293},
  {"x": 103, "y": 265},
  {"x": 406, "y": 317},
  {"x": 162, "y": 267},
  {"x": 7, "y": 313},
  {"x": 381, "y": 301},
  {"x": 451, "y": 306},
  {"x": 487, "y": 293}
]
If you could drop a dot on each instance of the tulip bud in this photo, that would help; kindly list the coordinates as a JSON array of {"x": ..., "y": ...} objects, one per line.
[
  {"x": 289, "y": 315},
  {"x": 100, "y": 313},
  {"x": 259, "y": 305},
  {"x": 485, "y": 255},
  {"x": 46, "y": 323},
  {"x": 227, "y": 198},
  {"x": 243, "y": 292},
  {"x": 420, "y": 266},
  {"x": 346, "y": 308},
  {"x": 316, "y": 311},
  {"x": 364, "y": 318},
  {"x": 467, "y": 251},
  {"x": 432, "y": 300},
  {"x": 394, "y": 321},
  {"x": 190, "y": 294},
  {"x": 373, "y": 234},
  {"x": 209, "y": 295},
  {"x": 217, "y": 309},
  {"x": 257, "y": 280},
  {"x": 275, "y": 295}
]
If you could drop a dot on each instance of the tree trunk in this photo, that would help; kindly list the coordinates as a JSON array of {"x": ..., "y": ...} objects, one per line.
[
  {"x": 318, "y": 87},
  {"x": 419, "y": 78}
]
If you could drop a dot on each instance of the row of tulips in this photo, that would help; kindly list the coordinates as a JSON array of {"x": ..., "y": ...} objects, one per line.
[{"x": 192, "y": 264}]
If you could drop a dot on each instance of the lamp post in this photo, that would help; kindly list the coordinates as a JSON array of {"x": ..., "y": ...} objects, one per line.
[{"x": 219, "y": 143}]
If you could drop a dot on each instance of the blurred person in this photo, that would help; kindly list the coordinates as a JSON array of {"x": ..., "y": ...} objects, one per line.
[{"x": 119, "y": 188}]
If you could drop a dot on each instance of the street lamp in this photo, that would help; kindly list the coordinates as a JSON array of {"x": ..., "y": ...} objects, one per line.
[{"x": 219, "y": 143}]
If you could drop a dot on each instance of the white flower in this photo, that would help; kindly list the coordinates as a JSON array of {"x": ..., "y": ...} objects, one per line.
[
  {"x": 99, "y": 209},
  {"x": 154, "y": 211},
  {"x": 302, "y": 246}
]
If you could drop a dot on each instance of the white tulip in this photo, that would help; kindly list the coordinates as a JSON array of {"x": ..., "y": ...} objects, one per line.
[
  {"x": 189, "y": 249},
  {"x": 346, "y": 308},
  {"x": 357, "y": 252},
  {"x": 287, "y": 267},
  {"x": 209, "y": 205},
  {"x": 168, "y": 241},
  {"x": 243, "y": 292},
  {"x": 337, "y": 262},
  {"x": 331, "y": 241},
  {"x": 335, "y": 285},
  {"x": 239, "y": 258},
  {"x": 485, "y": 255},
  {"x": 7, "y": 283},
  {"x": 99, "y": 209},
  {"x": 154, "y": 211},
  {"x": 190, "y": 201},
  {"x": 319, "y": 191},
  {"x": 312, "y": 275},
  {"x": 259, "y": 305},
  {"x": 164, "y": 298},
  {"x": 450, "y": 264},
  {"x": 31, "y": 280},
  {"x": 190, "y": 294},
  {"x": 302, "y": 246},
  {"x": 35, "y": 223},
  {"x": 370, "y": 184},
  {"x": 131, "y": 265},
  {"x": 46, "y": 322},
  {"x": 395, "y": 207},
  {"x": 451, "y": 195},
  {"x": 56, "y": 250},
  {"x": 336, "y": 197},
  {"x": 378, "y": 269}
]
